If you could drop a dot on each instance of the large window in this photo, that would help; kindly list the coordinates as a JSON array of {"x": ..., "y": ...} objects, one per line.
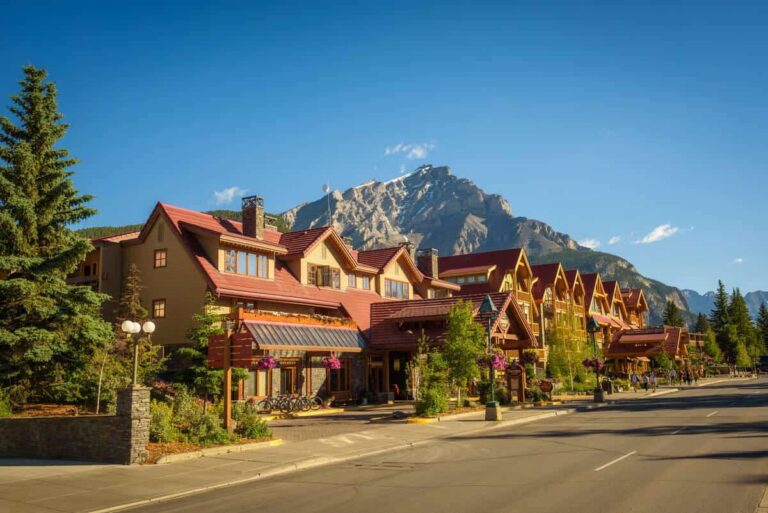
[
  {"x": 338, "y": 379},
  {"x": 243, "y": 262},
  {"x": 352, "y": 280},
  {"x": 324, "y": 276},
  {"x": 366, "y": 282},
  {"x": 396, "y": 289},
  {"x": 158, "y": 308},
  {"x": 161, "y": 258}
]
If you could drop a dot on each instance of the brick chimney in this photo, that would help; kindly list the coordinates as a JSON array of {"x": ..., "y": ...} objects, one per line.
[
  {"x": 426, "y": 261},
  {"x": 253, "y": 216}
]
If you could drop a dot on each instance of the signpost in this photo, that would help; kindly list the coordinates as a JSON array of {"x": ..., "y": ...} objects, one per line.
[
  {"x": 224, "y": 352},
  {"x": 516, "y": 376},
  {"x": 546, "y": 386}
]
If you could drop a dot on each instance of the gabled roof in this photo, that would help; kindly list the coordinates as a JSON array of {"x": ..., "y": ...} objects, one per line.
[
  {"x": 634, "y": 298},
  {"x": 592, "y": 284},
  {"x": 504, "y": 260},
  {"x": 547, "y": 275},
  {"x": 379, "y": 258},
  {"x": 387, "y": 318},
  {"x": 574, "y": 281},
  {"x": 613, "y": 291},
  {"x": 633, "y": 343},
  {"x": 118, "y": 237}
]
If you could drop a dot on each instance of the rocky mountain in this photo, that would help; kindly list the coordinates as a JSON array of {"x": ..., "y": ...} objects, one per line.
[
  {"x": 703, "y": 303},
  {"x": 433, "y": 208}
]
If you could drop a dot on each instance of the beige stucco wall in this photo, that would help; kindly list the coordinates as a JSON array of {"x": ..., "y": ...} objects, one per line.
[
  {"x": 395, "y": 271},
  {"x": 180, "y": 283},
  {"x": 110, "y": 277}
]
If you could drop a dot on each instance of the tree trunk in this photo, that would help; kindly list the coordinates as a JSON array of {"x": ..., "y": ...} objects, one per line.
[{"x": 98, "y": 388}]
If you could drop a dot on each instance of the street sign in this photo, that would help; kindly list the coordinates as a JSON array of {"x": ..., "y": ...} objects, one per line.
[
  {"x": 546, "y": 386},
  {"x": 514, "y": 372}
]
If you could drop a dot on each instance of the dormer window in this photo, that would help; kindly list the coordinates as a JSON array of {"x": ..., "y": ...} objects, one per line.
[
  {"x": 246, "y": 263},
  {"x": 324, "y": 276}
]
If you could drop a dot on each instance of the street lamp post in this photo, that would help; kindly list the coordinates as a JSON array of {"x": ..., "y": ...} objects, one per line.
[
  {"x": 134, "y": 328},
  {"x": 593, "y": 327},
  {"x": 488, "y": 309}
]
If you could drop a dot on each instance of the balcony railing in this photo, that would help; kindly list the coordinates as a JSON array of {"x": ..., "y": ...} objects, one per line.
[
  {"x": 535, "y": 328},
  {"x": 295, "y": 318},
  {"x": 82, "y": 280}
]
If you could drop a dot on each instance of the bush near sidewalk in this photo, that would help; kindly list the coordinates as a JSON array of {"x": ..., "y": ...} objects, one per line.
[{"x": 185, "y": 419}]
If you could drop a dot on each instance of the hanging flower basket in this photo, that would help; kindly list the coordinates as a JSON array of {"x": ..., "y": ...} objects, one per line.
[
  {"x": 498, "y": 361},
  {"x": 590, "y": 363},
  {"x": 266, "y": 363},
  {"x": 529, "y": 357},
  {"x": 331, "y": 362}
]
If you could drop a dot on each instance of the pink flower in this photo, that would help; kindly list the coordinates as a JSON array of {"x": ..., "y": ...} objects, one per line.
[
  {"x": 331, "y": 362},
  {"x": 266, "y": 363}
]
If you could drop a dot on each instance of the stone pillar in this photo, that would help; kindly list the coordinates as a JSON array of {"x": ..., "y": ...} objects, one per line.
[{"x": 133, "y": 424}]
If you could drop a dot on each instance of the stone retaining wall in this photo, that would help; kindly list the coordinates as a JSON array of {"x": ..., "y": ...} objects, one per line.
[{"x": 120, "y": 438}]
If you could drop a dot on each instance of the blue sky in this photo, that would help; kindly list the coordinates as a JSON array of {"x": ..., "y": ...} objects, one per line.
[{"x": 608, "y": 120}]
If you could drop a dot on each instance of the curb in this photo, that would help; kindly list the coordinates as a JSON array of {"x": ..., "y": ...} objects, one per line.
[
  {"x": 216, "y": 451},
  {"x": 322, "y": 461},
  {"x": 422, "y": 420}
]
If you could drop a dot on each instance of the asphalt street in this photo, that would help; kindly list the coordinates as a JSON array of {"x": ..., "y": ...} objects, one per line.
[{"x": 699, "y": 450}]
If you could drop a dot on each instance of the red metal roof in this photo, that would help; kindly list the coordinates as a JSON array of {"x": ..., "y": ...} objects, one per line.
[
  {"x": 648, "y": 342},
  {"x": 632, "y": 297},
  {"x": 387, "y": 318},
  {"x": 504, "y": 260},
  {"x": 379, "y": 258},
  {"x": 547, "y": 275},
  {"x": 459, "y": 271},
  {"x": 298, "y": 242}
]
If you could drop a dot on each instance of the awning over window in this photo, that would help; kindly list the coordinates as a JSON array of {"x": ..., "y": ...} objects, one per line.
[{"x": 287, "y": 336}]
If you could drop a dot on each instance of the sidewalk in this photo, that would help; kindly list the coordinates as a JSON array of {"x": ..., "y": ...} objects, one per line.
[{"x": 28, "y": 486}]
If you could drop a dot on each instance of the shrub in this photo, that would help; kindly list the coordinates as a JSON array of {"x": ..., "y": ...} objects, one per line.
[
  {"x": 5, "y": 404},
  {"x": 161, "y": 426},
  {"x": 434, "y": 401},
  {"x": 249, "y": 423}
]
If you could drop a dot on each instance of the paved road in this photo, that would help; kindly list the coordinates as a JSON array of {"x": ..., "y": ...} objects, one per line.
[{"x": 700, "y": 451}]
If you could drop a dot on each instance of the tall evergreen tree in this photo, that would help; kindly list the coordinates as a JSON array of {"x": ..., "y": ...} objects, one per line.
[
  {"x": 47, "y": 328},
  {"x": 702, "y": 323},
  {"x": 738, "y": 313},
  {"x": 719, "y": 317},
  {"x": 762, "y": 324},
  {"x": 206, "y": 382},
  {"x": 672, "y": 315}
]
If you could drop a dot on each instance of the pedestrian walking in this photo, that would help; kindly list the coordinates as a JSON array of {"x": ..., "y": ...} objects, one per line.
[
  {"x": 672, "y": 376},
  {"x": 645, "y": 382},
  {"x": 652, "y": 380},
  {"x": 634, "y": 379}
]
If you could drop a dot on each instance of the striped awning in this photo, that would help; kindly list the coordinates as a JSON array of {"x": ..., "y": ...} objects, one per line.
[{"x": 276, "y": 335}]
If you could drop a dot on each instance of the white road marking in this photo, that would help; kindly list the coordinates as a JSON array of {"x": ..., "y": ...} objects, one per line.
[
  {"x": 677, "y": 431},
  {"x": 361, "y": 435},
  {"x": 598, "y": 469},
  {"x": 713, "y": 413},
  {"x": 345, "y": 440}
]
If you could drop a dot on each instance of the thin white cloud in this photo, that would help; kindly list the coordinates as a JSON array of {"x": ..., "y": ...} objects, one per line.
[
  {"x": 227, "y": 195},
  {"x": 614, "y": 240},
  {"x": 590, "y": 243},
  {"x": 411, "y": 151},
  {"x": 738, "y": 261},
  {"x": 661, "y": 232}
]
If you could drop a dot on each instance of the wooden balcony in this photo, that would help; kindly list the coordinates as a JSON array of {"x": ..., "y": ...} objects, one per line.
[
  {"x": 83, "y": 280},
  {"x": 523, "y": 296}
]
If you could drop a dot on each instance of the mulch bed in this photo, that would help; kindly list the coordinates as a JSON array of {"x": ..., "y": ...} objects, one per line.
[
  {"x": 48, "y": 410},
  {"x": 159, "y": 449}
]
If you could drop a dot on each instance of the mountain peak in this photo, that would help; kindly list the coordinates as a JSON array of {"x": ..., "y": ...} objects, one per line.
[{"x": 432, "y": 207}]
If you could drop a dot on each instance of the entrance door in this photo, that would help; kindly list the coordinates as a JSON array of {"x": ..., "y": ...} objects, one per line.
[
  {"x": 288, "y": 384},
  {"x": 398, "y": 376},
  {"x": 376, "y": 379}
]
